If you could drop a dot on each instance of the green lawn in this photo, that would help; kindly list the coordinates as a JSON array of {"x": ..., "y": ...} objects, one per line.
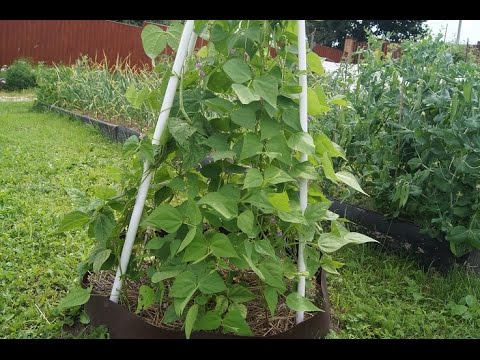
[
  {"x": 376, "y": 296},
  {"x": 41, "y": 155},
  {"x": 381, "y": 295}
]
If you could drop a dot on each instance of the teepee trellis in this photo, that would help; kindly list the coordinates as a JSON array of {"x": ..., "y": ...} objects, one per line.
[{"x": 185, "y": 48}]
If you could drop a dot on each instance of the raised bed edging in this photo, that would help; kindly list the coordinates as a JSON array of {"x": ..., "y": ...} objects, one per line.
[
  {"x": 426, "y": 250},
  {"x": 123, "y": 324},
  {"x": 112, "y": 131}
]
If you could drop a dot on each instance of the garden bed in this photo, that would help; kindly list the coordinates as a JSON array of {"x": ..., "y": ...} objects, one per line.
[
  {"x": 122, "y": 321},
  {"x": 398, "y": 235},
  {"x": 112, "y": 131}
]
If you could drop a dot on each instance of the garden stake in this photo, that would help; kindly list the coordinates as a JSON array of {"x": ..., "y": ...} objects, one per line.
[
  {"x": 302, "y": 66},
  {"x": 183, "y": 49}
]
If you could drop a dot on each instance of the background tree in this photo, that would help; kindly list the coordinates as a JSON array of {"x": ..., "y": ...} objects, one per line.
[{"x": 332, "y": 33}]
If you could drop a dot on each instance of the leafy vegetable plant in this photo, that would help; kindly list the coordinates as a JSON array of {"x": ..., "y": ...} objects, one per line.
[
  {"x": 222, "y": 219},
  {"x": 412, "y": 135}
]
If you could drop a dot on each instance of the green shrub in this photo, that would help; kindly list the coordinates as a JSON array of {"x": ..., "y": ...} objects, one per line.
[
  {"x": 20, "y": 75},
  {"x": 413, "y": 137}
]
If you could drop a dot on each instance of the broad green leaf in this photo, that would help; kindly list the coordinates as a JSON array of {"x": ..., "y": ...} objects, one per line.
[
  {"x": 239, "y": 307},
  {"x": 271, "y": 297},
  {"x": 266, "y": 86},
  {"x": 246, "y": 223},
  {"x": 175, "y": 33},
  {"x": 188, "y": 239},
  {"x": 291, "y": 117},
  {"x": 349, "y": 179},
  {"x": 273, "y": 274},
  {"x": 339, "y": 100},
  {"x": 314, "y": 62},
  {"x": 358, "y": 238},
  {"x": 156, "y": 243},
  {"x": 314, "y": 107},
  {"x": 190, "y": 320},
  {"x": 76, "y": 297},
  {"x": 136, "y": 97},
  {"x": 265, "y": 248},
  {"x": 274, "y": 175},
  {"x": 197, "y": 249},
  {"x": 234, "y": 322},
  {"x": 105, "y": 192},
  {"x": 184, "y": 284},
  {"x": 73, "y": 220},
  {"x": 221, "y": 246},
  {"x": 245, "y": 117},
  {"x": 181, "y": 131},
  {"x": 146, "y": 150},
  {"x": 165, "y": 217},
  {"x": 258, "y": 199},
  {"x": 302, "y": 142},
  {"x": 170, "y": 315},
  {"x": 253, "y": 179},
  {"x": 217, "y": 142},
  {"x": 211, "y": 284},
  {"x": 130, "y": 145},
  {"x": 316, "y": 211},
  {"x": 192, "y": 212},
  {"x": 221, "y": 304},
  {"x": 251, "y": 146},
  {"x": 103, "y": 226},
  {"x": 100, "y": 258},
  {"x": 218, "y": 81},
  {"x": 330, "y": 242},
  {"x": 295, "y": 217},
  {"x": 254, "y": 268},
  {"x": 269, "y": 127},
  {"x": 330, "y": 265},
  {"x": 324, "y": 144},
  {"x": 305, "y": 170},
  {"x": 280, "y": 201},
  {"x": 210, "y": 321},
  {"x": 328, "y": 168},
  {"x": 163, "y": 275},
  {"x": 219, "y": 105},
  {"x": 154, "y": 40},
  {"x": 297, "y": 302},
  {"x": 219, "y": 155},
  {"x": 237, "y": 70},
  {"x": 245, "y": 95},
  {"x": 225, "y": 206},
  {"x": 321, "y": 95},
  {"x": 279, "y": 145},
  {"x": 240, "y": 294},
  {"x": 146, "y": 298}
]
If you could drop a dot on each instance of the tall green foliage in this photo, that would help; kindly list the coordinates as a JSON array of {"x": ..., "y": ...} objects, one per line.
[
  {"x": 218, "y": 235},
  {"x": 413, "y": 137}
]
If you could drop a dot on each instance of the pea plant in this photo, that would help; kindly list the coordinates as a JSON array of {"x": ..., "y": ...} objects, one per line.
[
  {"x": 412, "y": 135},
  {"x": 222, "y": 219}
]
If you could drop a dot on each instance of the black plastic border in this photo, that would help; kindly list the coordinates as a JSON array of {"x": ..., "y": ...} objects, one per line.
[
  {"x": 112, "y": 131},
  {"x": 123, "y": 324},
  {"x": 404, "y": 236}
]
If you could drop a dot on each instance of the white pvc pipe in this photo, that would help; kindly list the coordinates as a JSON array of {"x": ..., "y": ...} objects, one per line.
[
  {"x": 183, "y": 49},
  {"x": 302, "y": 66}
]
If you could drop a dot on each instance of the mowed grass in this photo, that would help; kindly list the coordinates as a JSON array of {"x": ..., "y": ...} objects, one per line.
[
  {"x": 377, "y": 295},
  {"x": 41, "y": 155},
  {"x": 382, "y": 295}
]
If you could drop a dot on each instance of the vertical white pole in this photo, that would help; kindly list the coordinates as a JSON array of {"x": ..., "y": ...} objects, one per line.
[
  {"x": 183, "y": 49},
  {"x": 302, "y": 66}
]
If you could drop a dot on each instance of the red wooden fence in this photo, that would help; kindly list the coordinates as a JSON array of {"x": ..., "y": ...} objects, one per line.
[
  {"x": 64, "y": 41},
  {"x": 55, "y": 41}
]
